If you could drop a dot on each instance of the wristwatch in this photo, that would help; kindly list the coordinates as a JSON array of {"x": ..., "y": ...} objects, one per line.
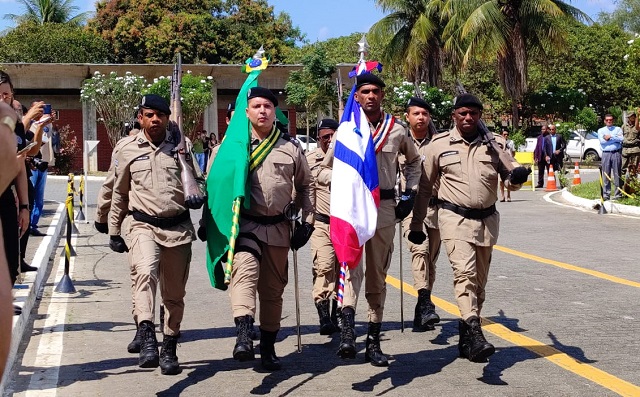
[
  {"x": 9, "y": 122},
  {"x": 24, "y": 207}
]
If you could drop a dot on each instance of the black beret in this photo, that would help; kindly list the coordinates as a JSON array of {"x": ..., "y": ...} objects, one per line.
[
  {"x": 328, "y": 123},
  {"x": 467, "y": 101},
  {"x": 261, "y": 92},
  {"x": 230, "y": 108},
  {"x": 421, "y": 103},
  {"x": 369, "y": 78},
  {"x": 155, "y": 102}
]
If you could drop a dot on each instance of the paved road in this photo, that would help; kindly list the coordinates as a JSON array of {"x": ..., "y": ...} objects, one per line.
[{"x": 562, "y": 310}]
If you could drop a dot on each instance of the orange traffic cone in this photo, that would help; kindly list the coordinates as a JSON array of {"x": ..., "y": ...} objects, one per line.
[
  {"x": 576, "y": 175},
  {"x": 551, "y": 180}
]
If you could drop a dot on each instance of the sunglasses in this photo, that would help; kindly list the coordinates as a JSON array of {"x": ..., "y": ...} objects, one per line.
[{"x": 326, "y": 137}]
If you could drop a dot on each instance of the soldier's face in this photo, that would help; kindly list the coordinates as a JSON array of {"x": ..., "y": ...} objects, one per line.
[
  {"x": 466, "y": 119},
  {"x": 324, "y": 136},
  {"x": 154, "y": 123},
  {"x": 370, "y": 97},
  {"x": 418, "y": 119},
  {"x": 261, "y": 113}
]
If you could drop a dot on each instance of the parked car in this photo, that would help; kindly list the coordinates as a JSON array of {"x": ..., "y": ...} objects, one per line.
[
  {"x": 303, "y": 142},
  {"x": 579, "y": 146}
]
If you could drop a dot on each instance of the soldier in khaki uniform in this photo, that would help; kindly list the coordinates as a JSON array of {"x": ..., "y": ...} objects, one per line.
[
  {"x": 467, "y": 171},
  {"x": 390, "y": 140},
  {"x": 149, "y": 219},
  {"x": 325, "y": 262},
  {"x": 631, "y": 142},
  {"x": 423, "y": 256},
  {"x": 260, "y": 263}
]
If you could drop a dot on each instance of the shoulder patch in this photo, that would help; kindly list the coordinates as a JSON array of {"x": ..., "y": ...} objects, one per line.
[{"x": 291, "y": 139}]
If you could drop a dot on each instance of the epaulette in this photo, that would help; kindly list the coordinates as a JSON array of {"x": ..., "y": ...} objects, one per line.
[
  {"x": 440, "y": 135},
  {"x": 291, "y": 139},
  {"x": 125, "y": 141},
  {"x": 402, "y": 123}
]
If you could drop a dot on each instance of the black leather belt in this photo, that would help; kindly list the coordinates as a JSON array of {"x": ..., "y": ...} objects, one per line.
[
  {"x": 322, "y": 218},
  {"x": 263, "y": 219},
  {"x": 163, "y": 223},
  {"x": 470, "y": 213},
  {"x": 612, "y": 151},
  {"x": 433, "y": 201},
  {"x": 387, "y": 194}
]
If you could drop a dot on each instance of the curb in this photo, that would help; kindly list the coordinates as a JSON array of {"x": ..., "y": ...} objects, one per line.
[
  {"x": 611, "y": 206},
  {"x": 26, "y": 293}
]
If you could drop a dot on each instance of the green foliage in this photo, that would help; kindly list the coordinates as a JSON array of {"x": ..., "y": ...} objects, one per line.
[
  {"x": 440, "y": 101},
  {"x": 626, "y": 15},
  {"x": 206, "y": 31},
  {"x": 115, "y": 98},
  {"x": 517, "y": 137},
  {"x": 554, "y": 102},
  {"x": 52, "y": 43},
  {"x": 587, "y": 119},
  {"x": 313, "y": 86},
  {"x": 565, "y": 129},
  {"x": 48, "y": 11},
  {"x": 338, "y": 50},
  {"x": 196, "y": 96},
  {"x": 587, "y": 190}
]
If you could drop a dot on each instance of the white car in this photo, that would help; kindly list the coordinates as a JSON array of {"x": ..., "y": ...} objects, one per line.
[
  {"x": 303, "y": 143},
  {"x": 578, "y": 147}
]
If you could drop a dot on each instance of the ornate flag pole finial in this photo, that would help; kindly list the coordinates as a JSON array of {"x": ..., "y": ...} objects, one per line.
[
  {"x": 363, "y": 48},
  {"x": 259, "y": 54}
]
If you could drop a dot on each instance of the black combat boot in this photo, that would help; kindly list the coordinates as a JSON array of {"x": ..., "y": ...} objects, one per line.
[
  {"x": 134, "y": 346},
  {"x": 336, "y": 316},
  {"x": 162, "y": 318},
  {"x": 270, "y": 361},
  {"x": 465, "y": 338},
  {"x": 168, "y": 359},
  {"x": 149, "y": 346},
  {"x": 425, "y": 316},
  {"x": 373, "y": 352},
  {"x": 243, "y": 350},
  {"x": 326, "y": 325},
  {"x": 253, "y": 331},
  {"x": 347, "y": 348},
  {"x": 477, "y": 348}
]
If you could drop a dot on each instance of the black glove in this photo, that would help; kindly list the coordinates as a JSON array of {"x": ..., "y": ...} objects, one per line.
[
  {"x": 194, "y": 202},
  {"x": 101, "y": 227},
  {"x": 519, "y": 175},
  {"x": 416, "y": 237},
  {"x": 116, "y": 243},
  {"x": 405, "y": 205},
  {"x": 202, "y": 232},
  {"x": 301, "y": 235}
]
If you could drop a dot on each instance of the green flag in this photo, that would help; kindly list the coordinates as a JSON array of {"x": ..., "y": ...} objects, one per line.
[{"x": 227, "y": 180}]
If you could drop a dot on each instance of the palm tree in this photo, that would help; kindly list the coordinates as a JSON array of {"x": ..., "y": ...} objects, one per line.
[
  {"x": 44, "y": 11},
  {"x": 512, "y": 31},
  {"x": 411, "y": 33}
]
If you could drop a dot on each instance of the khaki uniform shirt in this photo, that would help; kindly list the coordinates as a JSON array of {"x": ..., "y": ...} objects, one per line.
[
  {"x": 631, "y": 138},
  {"x": 147, "y": 179},
  {"x": 398, "y": 143},
  {"x": 431, "y": 220},
  {"x": 283, "y": 174},
  {"x": 104, "y": 195},
  {"x": 321, "y": 186},
  {"x": 467, "y": 173}
]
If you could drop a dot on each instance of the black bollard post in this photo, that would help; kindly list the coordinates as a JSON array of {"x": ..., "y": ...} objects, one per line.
[
  {"x": 80, "y": 216},
  {"x": 66, "y": 285},
  {"x": 601, "y": 210}
]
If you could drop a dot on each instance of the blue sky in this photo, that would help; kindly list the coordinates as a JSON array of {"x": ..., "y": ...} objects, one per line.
[{"x": 319, "y": 19}]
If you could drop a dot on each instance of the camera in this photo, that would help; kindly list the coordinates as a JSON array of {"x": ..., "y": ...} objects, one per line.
[{"x": 39, "y": 164}]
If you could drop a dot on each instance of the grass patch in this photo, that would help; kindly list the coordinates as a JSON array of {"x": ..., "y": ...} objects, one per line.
[{"x": 591, "y": 191}]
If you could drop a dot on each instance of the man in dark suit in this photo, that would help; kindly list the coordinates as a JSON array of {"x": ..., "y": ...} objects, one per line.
[{"x": 554, "y": 147}]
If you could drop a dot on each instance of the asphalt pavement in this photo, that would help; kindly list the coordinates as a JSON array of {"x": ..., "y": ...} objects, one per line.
[{"x": 561, "y": 310}]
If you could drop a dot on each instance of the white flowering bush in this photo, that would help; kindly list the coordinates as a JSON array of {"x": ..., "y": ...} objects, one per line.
[
  {"x": 115, "y": 98},
  {"x": 441, "y": 102},
  {"x": 196, "y": 96}
]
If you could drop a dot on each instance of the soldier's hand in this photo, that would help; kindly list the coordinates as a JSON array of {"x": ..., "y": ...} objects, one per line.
[
  {"x": 405, "y": 205},
  {"x": 519, "y": 175},
  {"x": 202, "y": 232},
  {"x": 117, "y": 244},
  {"x": 416, "y": 237},
  {"x": 101, "y": 227},
  {"x": 301, "y": 235},
  {"x": 194, "y": 202}
]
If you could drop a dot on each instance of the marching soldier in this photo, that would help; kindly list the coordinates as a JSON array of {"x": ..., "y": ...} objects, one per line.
[
  {"x": 325, "y": 263},
  {"x": 423, "y": 256},
  {"x": 390, "y": 140},
  {"x": 148, "y": 219},
  {"x": 631, "y": 142},
  {"x": 467, "y": 171},
  {"x": 262, "y": 247}
]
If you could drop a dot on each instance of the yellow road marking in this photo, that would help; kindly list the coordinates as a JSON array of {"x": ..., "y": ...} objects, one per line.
[
  {"x": 567, "y": 266},
  {"x": 550, "y": 353}
]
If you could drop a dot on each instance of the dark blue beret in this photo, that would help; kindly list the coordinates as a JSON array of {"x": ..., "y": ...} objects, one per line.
[
  {"x": 155, "y": 102},
  {"x": 369, "y": 78},
  {"x": 328, "y": 124},
  {"x": 261, "y": 92},
  {"x": 421, "y": 103},
  {"x": 467, "y": 101}
]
